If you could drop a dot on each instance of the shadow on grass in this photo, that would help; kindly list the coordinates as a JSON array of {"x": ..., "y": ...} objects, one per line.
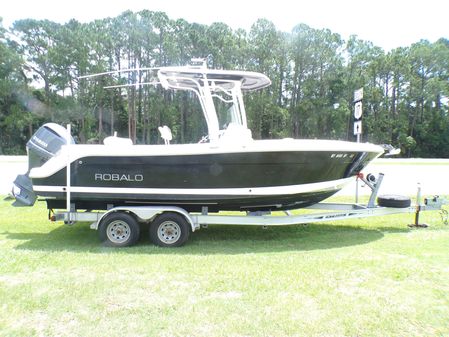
[{"x": 213, "y": 240}]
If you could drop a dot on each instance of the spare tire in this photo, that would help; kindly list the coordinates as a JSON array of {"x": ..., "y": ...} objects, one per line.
[{"x": 395, "y": 201}]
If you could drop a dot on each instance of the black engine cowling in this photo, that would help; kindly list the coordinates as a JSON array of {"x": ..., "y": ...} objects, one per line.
[{"x": 43, "y": 145}]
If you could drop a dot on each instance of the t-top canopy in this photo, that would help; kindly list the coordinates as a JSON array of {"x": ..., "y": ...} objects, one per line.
[
  {"x": 207, "y": 84},
  {"x": 192, "y": 77}
]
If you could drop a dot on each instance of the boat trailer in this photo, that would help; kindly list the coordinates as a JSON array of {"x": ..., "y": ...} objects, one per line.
[{"x": 171, "y": 226}]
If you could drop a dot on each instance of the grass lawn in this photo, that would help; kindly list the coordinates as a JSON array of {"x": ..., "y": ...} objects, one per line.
[{"x": 364, "y": 277}]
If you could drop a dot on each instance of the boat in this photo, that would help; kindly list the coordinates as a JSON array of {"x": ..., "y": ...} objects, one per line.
[{"x": 226, "y": 170}]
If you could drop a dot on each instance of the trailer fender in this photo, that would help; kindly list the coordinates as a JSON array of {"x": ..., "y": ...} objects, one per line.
[{"x": 148, "y": 213}]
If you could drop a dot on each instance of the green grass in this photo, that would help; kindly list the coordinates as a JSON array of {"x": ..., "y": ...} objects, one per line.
[{"x": 364, "y": 277}]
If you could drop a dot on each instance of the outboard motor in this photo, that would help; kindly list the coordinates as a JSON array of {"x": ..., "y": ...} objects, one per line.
[{"x": 43, "y": 145}]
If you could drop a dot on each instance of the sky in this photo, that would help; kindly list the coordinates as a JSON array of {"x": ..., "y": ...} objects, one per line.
[{"x": 387, "y": 23}]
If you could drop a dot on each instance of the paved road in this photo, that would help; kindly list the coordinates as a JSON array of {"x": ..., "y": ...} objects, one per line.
[
  {"x": 401, "y": 175},
  {"x": 10, "y": 167}
]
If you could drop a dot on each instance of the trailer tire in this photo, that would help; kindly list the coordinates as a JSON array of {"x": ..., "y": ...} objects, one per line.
[
  {"x": 394, "y": 201},
  {"x": 169, "y": 230},
  {"x": 119, "y": 229}
]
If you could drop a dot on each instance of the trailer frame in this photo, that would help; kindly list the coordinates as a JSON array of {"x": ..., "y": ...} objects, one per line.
[
  {"x": 195, "y": 221},
  {"x": 341, "y": 211}
]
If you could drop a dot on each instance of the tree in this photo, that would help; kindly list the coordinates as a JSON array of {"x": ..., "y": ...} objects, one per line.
[
  {"x": 313, "y": 72},
  {"x": 38, "y": 39},
  {"x": 16, "y": 121}
]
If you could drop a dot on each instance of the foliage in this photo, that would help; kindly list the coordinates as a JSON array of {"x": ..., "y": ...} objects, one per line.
[{"x": 314, "y": 73}]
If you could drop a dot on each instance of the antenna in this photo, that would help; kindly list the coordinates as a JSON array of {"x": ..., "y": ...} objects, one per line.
[
  {"x": 119, "y": 71},
  {"x": 132, "y": 85}
]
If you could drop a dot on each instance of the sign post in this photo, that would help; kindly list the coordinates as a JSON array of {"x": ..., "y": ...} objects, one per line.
[
  {"x": 358, "y": 129},
  {"x": 358, "y": 95},
  {"x": 358, "y": 111}
]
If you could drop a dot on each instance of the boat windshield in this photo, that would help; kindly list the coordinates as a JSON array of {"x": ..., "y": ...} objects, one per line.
[{"x": 227, "y": 106}]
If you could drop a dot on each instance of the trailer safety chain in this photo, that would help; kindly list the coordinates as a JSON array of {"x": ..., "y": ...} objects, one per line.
[{"x": 444, "y": 216}]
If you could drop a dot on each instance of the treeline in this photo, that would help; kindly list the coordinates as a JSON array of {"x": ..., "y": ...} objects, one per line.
[{"x": 314, "y": 73}]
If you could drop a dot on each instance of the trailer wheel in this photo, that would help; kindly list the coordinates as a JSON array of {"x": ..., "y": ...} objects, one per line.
[
  {"x": 395, "y": 201},
  {"x": 169, "y": 230},
  {"x": 119, "y": 229}
]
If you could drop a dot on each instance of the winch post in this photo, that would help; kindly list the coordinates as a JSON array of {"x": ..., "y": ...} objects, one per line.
[
  {"x": 373, "y": 183},
  {"x": 374, "y": 190}
]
